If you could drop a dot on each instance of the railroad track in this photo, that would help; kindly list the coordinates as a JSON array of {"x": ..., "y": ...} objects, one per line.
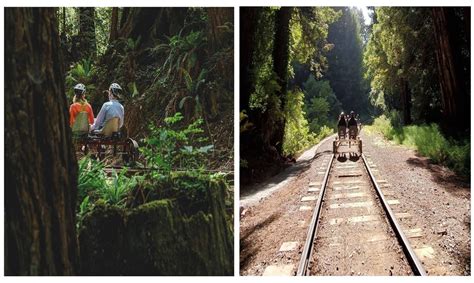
[
  {"x": 355, "y": 237},
  {"x": 138, "y": 170}
]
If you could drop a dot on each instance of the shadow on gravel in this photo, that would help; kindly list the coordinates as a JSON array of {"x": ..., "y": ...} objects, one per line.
[
  {"x": 452, "y": 182},
  {"x": 292, "y": 171},
  {"x": 464, "y": 258},
  {"x": 343, "y": 157},
  {"x": 248, "y": 247}
]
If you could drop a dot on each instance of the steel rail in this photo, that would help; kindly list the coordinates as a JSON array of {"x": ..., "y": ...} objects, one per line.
[
  {"x": 413, "y": 260},
  {"x": 313, "y": 227}
]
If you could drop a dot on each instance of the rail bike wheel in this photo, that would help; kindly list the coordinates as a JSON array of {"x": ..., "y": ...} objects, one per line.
[
  {"x": 101, "y": 152},
  {"x": 130, "y": 151},
  {"x": 360, "y": 146}
]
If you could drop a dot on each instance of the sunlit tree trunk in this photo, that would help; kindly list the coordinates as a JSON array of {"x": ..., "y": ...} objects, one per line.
[{"x": 40, "y": 166}]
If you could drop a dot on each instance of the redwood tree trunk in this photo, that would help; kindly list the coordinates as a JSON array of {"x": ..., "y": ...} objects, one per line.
[
  {"x": 455, "y": 97},
  {"x": 113, "y": 25},
  {"x": 281, "y": 56},
  {"x": 87, "y": 42},
  {"x": 150, "y": 23},
  {"x": 248, "y": 28},
  {"x": 218, "y": 17},
  {"x": 405, "y": 96},
  {"x": 40, "y": 166}
]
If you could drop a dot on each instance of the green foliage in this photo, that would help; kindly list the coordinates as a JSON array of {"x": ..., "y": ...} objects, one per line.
[
  {"x": 95, "y": 187},
  {"x": 265, "y": 80},
  {"x": 400, "y": 50},
  {"x": 117, "y": 190},
  {"x": 102, "y": 28},
  {"x": 173, "y": 147},
  {"x": 181, "y": 53},
  {"x": 91, "y": 177},
  {"x": 68, "y": 20},
  {"x": 82, "y": 72},
  {"x": 321, "y": 104},
  {"x": 428, "y": 141},
  {"x": 297, "y": 136},
  {"x": 309, "y": 31},
  {"x": 193, "y": 87},
  {"x": 297, "y": 131},
  {"x": 133, "y": 89},
  {"x": 345, "y": 72}
]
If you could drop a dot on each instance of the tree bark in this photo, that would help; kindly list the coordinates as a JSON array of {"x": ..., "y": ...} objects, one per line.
[
  {"x": 405, "y": 97},
  {"x": 113, "y": 25},
  {"x": 124, "y": 17},
  {"x": 40, "y": 165},
  {"x": 218, "y": 17},
  {"x": 455, "y": 97},
  {"x": 248, "y": 28},
  {"x": 281, "y": 56},
  {"x": 87, "y": 41}
]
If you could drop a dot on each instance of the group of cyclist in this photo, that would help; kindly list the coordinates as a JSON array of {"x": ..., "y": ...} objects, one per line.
[
  {"x": 81, "y": 115},
  {"x": 350, "y": 121}
]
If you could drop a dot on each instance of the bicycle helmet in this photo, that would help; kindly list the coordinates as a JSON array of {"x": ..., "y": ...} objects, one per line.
[
  {"x": 116, "y": 90},
  {"x": 79, "y": 89}
]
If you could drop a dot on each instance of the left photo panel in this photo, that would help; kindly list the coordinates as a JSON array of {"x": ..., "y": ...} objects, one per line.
[{"x": 119, "y": 141}]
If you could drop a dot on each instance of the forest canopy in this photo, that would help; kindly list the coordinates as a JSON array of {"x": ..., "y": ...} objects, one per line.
[
  {"x": 294, "y": 79},
  {"x": 302, "y": 66}
]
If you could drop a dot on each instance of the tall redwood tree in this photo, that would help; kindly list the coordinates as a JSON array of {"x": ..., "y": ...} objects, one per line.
[{"x": 40, "y": 165}]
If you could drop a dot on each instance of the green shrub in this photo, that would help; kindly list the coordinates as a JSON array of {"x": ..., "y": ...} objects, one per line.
[
  {"x": 297, "y": 136},
  {"x": 117, "y": 190},
  {"x": 173, "y": 147},
  {"x": 82, "y": 72},
  {"x": 94, "y": 186},
  {"x": 91, "y": 177},
  {"x": 428, "y": 141},
  {"x": 324, "y": 131}
]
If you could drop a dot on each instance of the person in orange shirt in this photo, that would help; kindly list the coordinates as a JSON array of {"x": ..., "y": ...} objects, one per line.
[{"x": 79, "y": 105}]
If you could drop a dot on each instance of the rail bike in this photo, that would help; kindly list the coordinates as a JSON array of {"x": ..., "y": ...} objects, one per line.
[
  {"x": 109, "y": 140},
  {"x": 348, "y": 136}
]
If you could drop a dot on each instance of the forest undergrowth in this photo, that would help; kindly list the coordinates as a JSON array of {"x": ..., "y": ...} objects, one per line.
[{"x": 428, "y": 140}]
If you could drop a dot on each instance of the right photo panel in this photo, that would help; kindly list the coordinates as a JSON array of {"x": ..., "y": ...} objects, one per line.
[{"x": 355, "y": 141}]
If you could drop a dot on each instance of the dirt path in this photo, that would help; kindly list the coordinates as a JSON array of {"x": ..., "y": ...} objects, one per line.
[
  {"x": 437, "y": 204},
  {"x": 433, "y": 204}
]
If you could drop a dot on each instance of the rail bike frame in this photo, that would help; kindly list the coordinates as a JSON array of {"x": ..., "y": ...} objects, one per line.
[
  {"x": 347, "y": 136},
  {"x": 126, "y": 147}
]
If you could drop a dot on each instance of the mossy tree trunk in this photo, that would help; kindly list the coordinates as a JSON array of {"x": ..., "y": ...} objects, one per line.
[
  {"x": 281, "y": 55},
  {"x": 87, "y": 41},
  {"x": 40, "y": 166}
]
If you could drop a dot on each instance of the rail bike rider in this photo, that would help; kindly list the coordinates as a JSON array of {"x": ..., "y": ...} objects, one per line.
[
  {"x": 353, "y": 126},
  {"x": 342, "y": 126},
  {"x": 111, "y": 116},
  {"x": 81, "y": 115}
]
